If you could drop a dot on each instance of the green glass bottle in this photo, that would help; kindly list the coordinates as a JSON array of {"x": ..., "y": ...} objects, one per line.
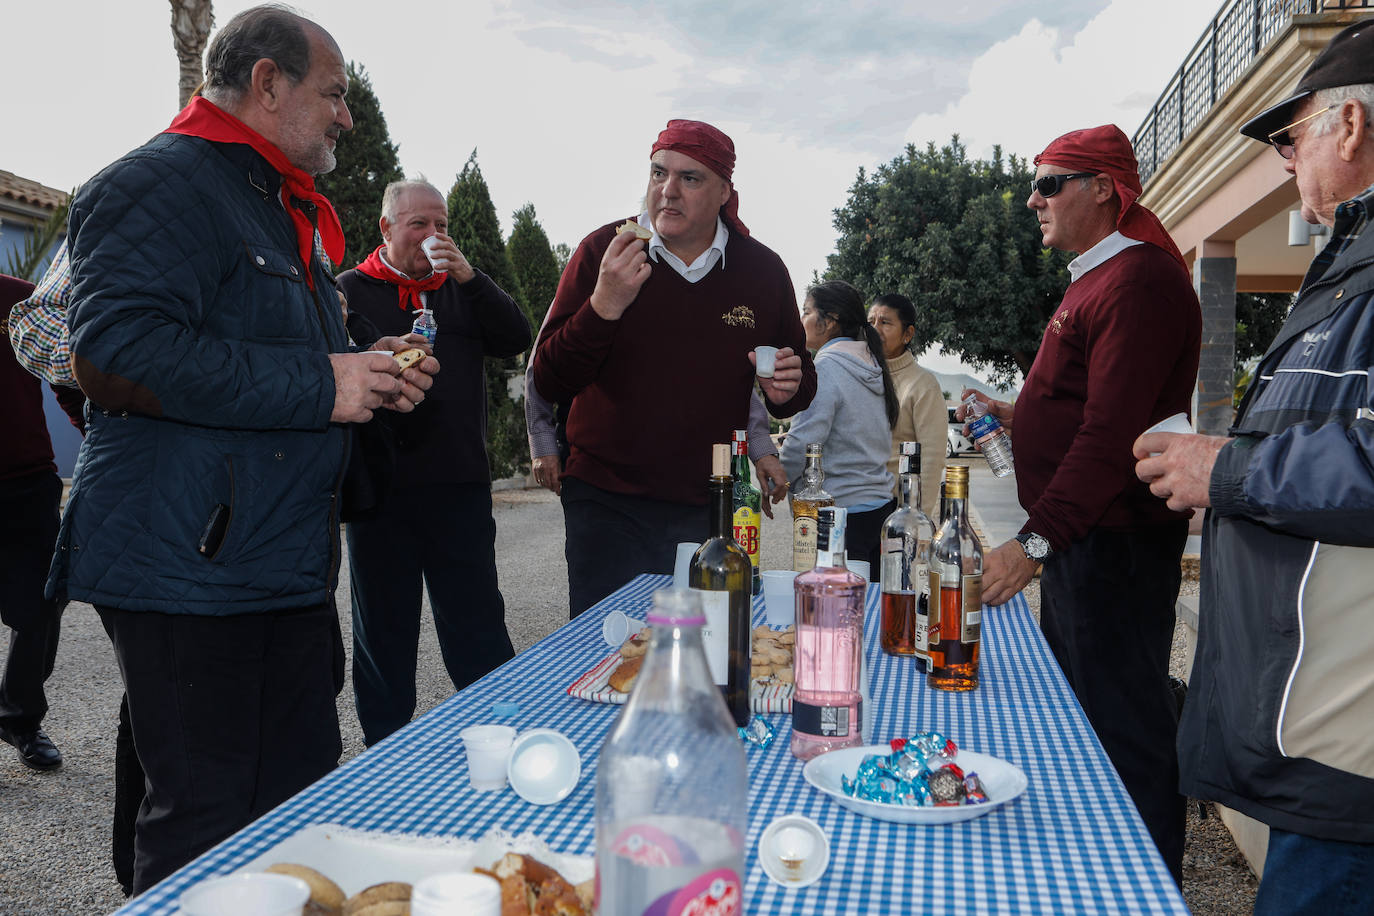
[{"x": 748, "y": 505}]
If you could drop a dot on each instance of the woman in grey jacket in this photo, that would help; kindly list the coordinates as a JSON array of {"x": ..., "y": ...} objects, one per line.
[{"x": 852, "y": 415}]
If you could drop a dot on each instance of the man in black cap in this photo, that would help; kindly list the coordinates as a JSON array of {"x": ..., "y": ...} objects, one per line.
[{"x": 1278, "y": 718}]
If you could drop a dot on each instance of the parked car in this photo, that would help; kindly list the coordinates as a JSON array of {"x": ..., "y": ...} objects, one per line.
[{"x": 956, "y": 443}]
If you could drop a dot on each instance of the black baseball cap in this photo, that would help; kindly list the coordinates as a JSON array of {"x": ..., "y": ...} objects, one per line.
[{"x": 1347, "y": 61}]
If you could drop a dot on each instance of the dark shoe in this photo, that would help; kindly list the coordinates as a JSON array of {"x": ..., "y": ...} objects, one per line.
[{"x": 36, "y": 750}]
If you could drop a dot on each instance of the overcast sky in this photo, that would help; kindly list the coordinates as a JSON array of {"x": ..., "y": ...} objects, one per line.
[{"x": 563, "y": 98}]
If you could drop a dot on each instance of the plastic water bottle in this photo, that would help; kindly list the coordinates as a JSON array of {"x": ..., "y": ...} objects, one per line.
[
  {"x": 989, "y": 436},
  {"x": 672, "y": 785},
  {"x": 426, "y": 326}
]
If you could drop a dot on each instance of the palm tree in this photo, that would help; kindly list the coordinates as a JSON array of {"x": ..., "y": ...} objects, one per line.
[{"x": 191, "y": 24}]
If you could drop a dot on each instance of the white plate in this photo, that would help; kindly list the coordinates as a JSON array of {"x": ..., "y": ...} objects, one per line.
[
  {"x": 1002, "y": 782},
  {"x": 356, "y": 859}
]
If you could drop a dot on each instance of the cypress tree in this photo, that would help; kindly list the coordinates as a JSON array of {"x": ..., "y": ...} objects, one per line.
[{"x": 535, "y": 264}]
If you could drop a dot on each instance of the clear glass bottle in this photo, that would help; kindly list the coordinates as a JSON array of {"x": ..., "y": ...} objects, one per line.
[
  {"x": 906, "y": 538},
  {"x": 672, "y": 783},
  {"x": 990, "y": 437},
  {"x": 806, "y": 503},
  {"x": 956, "y": 591},
  {"x": 425, "y": 325},
  {"x": 827, "y": 711},
  {"x": 723, "y": 579},
  {"x": 748, "y": 506}
]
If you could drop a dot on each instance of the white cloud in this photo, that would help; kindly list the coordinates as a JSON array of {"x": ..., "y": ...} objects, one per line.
[{"x": 1043, "y": 82}]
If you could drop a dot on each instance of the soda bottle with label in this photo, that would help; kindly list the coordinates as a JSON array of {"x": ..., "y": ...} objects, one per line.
[{"x": 672, "y": 786}]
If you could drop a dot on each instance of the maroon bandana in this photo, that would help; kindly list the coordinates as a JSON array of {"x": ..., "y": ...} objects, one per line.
[
  {"x": 712, "y": 149},
  {"x": 1106, "y": 151}
]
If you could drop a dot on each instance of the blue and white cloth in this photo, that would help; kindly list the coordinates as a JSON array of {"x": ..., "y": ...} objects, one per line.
[{"x": 1073, "y": 843}]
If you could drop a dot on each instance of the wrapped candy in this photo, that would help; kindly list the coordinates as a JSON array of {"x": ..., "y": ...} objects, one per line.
[
  {"x": 919, "y": 772},
  {"x": 758, "y": 732}
]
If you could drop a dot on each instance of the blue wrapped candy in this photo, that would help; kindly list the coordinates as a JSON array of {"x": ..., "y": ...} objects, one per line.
[
  {"x": 758, "y": 732},
  {"x": 909, "y": 775}
]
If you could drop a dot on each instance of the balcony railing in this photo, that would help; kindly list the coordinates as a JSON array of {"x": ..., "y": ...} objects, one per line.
[{"x": 1235, "y": 37}]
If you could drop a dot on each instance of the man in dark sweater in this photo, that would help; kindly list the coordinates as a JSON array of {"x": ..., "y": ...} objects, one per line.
[
  {"x": 1119, "y": 355},
  {"x": 434, "y": 525},
  {"x": 652, "y": 344},
  {"x": 30, "y": 491}
]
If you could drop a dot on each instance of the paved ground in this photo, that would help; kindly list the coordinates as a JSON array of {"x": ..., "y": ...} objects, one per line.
[{"x": 54, "y": 827}]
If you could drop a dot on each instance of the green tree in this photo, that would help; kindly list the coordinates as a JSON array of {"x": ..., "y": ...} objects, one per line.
[
  {"x": 953, "y": 235},
  {"x": 472, "y": 223},
  {"x": 367, "y": 163},
  {"x": 534, "y": 262}
]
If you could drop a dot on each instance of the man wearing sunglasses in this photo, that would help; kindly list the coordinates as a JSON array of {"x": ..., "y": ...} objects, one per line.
[
  {"x": 1277, "y": 723},
  {"x": 1119, "y": 354}
]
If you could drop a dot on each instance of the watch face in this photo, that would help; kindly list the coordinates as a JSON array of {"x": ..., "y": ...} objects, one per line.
[{"x": 1036, "y": 546}]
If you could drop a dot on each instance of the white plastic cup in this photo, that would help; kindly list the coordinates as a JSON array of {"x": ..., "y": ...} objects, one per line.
[
  {"x": 794, "y": 851},
  {"x": 456, "y": 894},
  {"x": 859, "y": 568},
  {"x": 544, "y": 766},
  {"x": 779, "y": 596},
  {"x": 254, "y": 892},
  {"x": 429, "y": 245},
  {"x": 764, "y": 361},
  {"x": 683, "y": 564},
  {"x": 488, "y": 747},
  {"x": 1178, "y": 423},
  {"x": 615, "y": 629}
]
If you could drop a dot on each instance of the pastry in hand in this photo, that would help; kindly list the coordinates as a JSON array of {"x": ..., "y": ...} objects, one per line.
[{"x": 633, "y": 226}]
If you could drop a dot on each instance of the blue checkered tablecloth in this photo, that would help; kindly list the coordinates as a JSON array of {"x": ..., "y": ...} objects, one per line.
[{"x": 1073, "y": 843}]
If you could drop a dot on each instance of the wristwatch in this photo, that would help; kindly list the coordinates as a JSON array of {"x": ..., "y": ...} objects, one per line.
[{"x": 1036, "y": 546}]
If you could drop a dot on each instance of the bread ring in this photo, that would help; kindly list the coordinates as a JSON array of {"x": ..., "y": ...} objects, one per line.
[
  {"x": 386, "y": 892},
  {"x": 325, "y": 895}
]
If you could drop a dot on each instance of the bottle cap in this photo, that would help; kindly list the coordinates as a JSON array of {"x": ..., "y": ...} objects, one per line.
[{"x": 505, "y": 709}]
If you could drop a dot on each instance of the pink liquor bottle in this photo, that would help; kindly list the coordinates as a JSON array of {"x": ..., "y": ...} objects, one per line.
[{"x": 827, "y": 711}]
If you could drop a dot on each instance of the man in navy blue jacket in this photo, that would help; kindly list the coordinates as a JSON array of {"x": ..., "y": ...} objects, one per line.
[
  {"x": 203, "y": 521},
  {"x": 1277, "y": 723}
]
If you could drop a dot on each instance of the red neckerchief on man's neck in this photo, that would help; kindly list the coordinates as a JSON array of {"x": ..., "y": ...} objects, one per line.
[
  {"x": 408, "y": 289},
  {"x": 202, "y": 118}
]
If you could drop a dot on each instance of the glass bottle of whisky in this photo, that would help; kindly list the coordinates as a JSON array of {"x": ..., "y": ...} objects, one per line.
[
  {"x": 956, "y": 591},
  {"x": 906, "y": 538},
  {"x": 806, "y": 504},
  {"x": 723, "y": 579},
  {"x": 748, "y": 506}
]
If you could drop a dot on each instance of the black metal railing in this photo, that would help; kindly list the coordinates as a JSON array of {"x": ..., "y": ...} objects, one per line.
[{"x": 1235, "y": 37}]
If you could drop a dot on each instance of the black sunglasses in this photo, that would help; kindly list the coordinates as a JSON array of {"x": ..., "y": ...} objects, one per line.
[{"x": 1050, "y": 185}]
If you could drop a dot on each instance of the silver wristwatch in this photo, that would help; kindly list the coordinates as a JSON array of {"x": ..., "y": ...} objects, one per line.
[{"x": 1036, "y": 546}]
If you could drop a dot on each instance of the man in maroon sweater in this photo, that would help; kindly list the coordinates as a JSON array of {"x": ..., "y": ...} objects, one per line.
[
  {"x": 30, "y": 491},
  {"x": 1119, "y": 355},
  {"x": 652, "y": 347}
]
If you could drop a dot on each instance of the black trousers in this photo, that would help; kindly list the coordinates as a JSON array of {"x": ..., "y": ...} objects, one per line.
[
  {"x": 1107, "y": 611},
  {"x": 230, "y": 717},
  {"x": 863, "y": 537},
  {"x": 611, "y": 538},
  {"x": 28, "y": 531},
  {"x": 446, "y": 542}
]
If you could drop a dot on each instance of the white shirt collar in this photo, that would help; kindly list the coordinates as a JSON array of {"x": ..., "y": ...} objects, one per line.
[
  {"x": 704, "y": 262},
  {"x": 1100, "y": 254}
]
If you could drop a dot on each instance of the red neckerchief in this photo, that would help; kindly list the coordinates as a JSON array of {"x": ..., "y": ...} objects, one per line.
[
  {"x": 408, "y": 289},
  {"x": 202, "y": 118}
]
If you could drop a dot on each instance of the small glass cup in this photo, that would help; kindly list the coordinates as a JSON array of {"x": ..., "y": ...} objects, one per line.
[{"x": 764, "y": 361}]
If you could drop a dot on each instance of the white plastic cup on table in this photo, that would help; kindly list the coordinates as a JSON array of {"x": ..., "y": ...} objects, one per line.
[
  {"x": 544, "y": 766},
  {"x": 859, "y": 568},
  {"x": 429, "y": 245},
  {"x": 488, "y": 747},
  {"x": 794, "y": 851},
  {"x": 615, "y": 629},
  {"x": 779, "y": 597},
  {"x": 765, "y": 361},
  {"x": 254, "y": 892},
  {"x": 456, "y": 894},
  {"x": 683, "y": 564}
]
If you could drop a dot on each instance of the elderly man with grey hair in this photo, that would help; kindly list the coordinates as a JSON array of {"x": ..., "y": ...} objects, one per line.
[
  {"x": 433, "y": 526},
  {"x": 1277, "y": 723},
  {"x": 203, "y": 518}
]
